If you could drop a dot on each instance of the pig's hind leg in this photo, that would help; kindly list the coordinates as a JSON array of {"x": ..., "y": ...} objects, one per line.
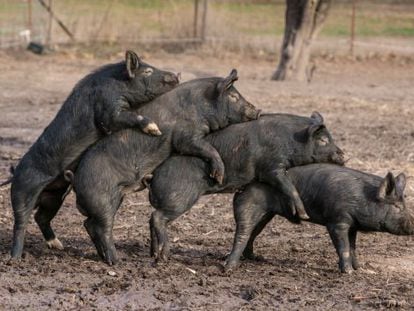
[
  {"x": 159, "y": 236},
  {"x": 251, "y": 215},
  {"x": 248, "y": 252},
  {"x": 25, "y": 190},
  {"x": 100, "y": 231},
  {"x": 100, "y": 208},
  {"x": 160, "y": 218},
  {"x": 169, "y": 206},
  {"x": 50, "y": 202}
]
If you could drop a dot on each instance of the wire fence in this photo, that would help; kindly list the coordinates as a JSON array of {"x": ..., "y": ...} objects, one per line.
[
  {"x": 16, "y": 22},
  {"x": 54, "y": 21},
  {"x": 231, "y": 24}
]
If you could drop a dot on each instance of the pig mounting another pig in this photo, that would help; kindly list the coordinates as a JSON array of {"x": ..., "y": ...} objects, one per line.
[
  {"x": 116, "y": 165},
  {"x": 101, "y": 103},
  {"x": 258, "y": 150}
]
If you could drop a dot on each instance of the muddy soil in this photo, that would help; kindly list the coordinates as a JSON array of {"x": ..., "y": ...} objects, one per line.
[{"x": 368, "y": 105}]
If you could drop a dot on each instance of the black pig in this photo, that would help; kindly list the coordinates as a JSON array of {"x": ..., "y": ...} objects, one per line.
[
  {"x": 258, "y": 150},
  {"x": 116, "y": 164},
  {"x": 342, "y": 199},
  {"x": 101, "y": 103}
]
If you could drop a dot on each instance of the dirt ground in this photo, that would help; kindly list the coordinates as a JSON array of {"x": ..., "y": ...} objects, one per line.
[{"x": 368, "y": 106}]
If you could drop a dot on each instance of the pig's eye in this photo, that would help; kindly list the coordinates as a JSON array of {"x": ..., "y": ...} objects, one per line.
[
  {"x": 147, "y": 72},
  {"x": 233, "y": 97},
  {"x": 323, "y": 141},
  {"x": 399, "y": 207}
]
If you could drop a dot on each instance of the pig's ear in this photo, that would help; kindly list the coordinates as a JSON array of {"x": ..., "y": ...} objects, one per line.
[
  {"x": 314, "y": 129},
  {"x": 400, "y": 182},
  {"x": 132, "y": 63},
  {"x": 317, "y": 117},
  {"x": 227, "y": 82},
  {"x": 386, "y": 189}
]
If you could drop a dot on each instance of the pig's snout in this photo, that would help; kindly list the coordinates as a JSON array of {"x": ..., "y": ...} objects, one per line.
[
  {"x": 171, "y": 78},
  {"x": 338, "y": 157},
  {"x": 251, "y": 112},
  {"x": 400, "y": 222}
]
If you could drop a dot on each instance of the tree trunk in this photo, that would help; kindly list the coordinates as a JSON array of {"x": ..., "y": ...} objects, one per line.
[{"x": 303, "y": 21}]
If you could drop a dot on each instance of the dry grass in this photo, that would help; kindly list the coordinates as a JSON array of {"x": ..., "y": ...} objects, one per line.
[{"x": 237, "y": 24}]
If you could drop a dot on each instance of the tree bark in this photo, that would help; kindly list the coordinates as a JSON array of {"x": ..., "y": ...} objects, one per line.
[{"x": 303, "y": 21}]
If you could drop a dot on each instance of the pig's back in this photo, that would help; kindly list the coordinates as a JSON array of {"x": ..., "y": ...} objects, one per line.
[
  {"x": 334, "y": 171},
  {"x": 324, "y": 186}
]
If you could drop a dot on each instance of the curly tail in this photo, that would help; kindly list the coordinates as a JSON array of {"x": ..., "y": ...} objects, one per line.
[
  {"x": 69, "y": 176},
  {"x": 8, "y": 181},
  {"x": 146, "y": 180}
]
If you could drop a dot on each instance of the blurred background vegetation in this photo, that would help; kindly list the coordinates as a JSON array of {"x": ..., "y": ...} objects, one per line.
[{"x": 256, "y": 25}]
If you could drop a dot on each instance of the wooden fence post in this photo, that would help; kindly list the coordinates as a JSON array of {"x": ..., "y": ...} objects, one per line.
[
  {"x": 29, "y": 15},
  {"x": 352, "y": 39},
  {"x": 204, "y": 20},
  {"x": 195, "y": 25},
  {"x": 49, "y": 24}
]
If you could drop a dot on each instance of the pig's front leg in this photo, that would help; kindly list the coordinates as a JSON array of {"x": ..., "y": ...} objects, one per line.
[
  {"x": 129, "y": 119},
  {"x": 118, "y": 115},
  {"x": 278, "y": 178},
  {"x": 339, "y": 234},
  {"x": 201, "y": 148}
]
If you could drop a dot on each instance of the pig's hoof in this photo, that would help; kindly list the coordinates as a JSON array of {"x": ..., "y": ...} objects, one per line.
[
  {"x": 229, "y": 267},
  {"x": 11, "y": 261},
  {"x": 218, "y": 177},
  {"x": 303, "y": 216},
  {"x": 110, "y": 259},
  {"x": 253, "y": 257},
  {"x": 249, "y": 255},
  {"x": 158, "y": 262},
  {"x": 161, "y": 258},
  {"x": 347, "y": 270},
  {"x": 355, "y": 263},
  {"x": 301, "y": 212},
  {"x": 152, "y": 129},
  {"x": 55, "y": 244}
]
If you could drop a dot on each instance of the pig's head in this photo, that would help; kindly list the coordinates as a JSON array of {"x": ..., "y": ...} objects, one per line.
[
  {"x": 231, "y": 106},
  {"x": 398, "y": 218},
  {"x": 146, "y": 81},
  {"x": 320, "y": 147}
]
